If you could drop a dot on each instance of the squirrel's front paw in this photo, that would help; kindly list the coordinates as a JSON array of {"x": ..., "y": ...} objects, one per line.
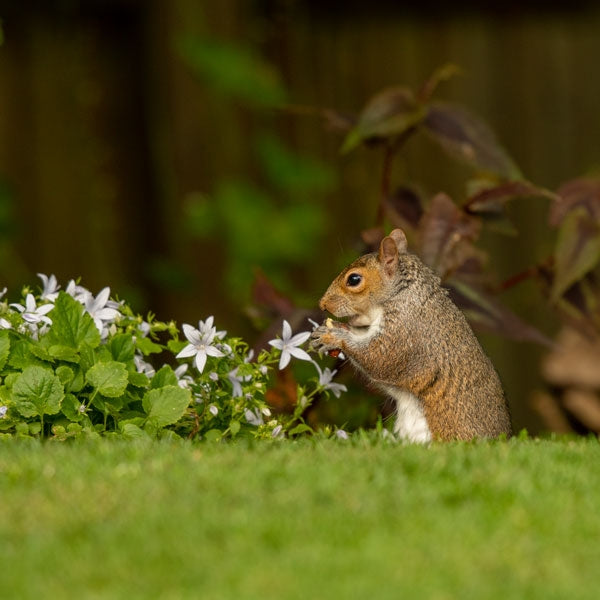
[{"x": 324, "y": 339}]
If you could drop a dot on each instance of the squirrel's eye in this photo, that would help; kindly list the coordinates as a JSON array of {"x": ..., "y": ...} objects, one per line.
[{"x": 353, "y": 280}]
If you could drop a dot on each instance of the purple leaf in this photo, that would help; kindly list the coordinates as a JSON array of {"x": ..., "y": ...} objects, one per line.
[
  {"x": 583, "y": 192},
  {"x": 466, "y": 137},
  {"x": 404, "y": 208},
  {"x": 446, "y": 236}
]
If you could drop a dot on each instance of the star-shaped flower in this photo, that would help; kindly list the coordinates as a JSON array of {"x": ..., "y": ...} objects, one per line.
[
  {"x": 289, "y": 345},
  {"x": 200, "y": 345},
  {"x": 51, "y": 287},
  {"x": 207, "y": 327},
  {"x": 32, "y": 313},
  {"x": 102, "y": 310},
  {"x": 326, "y": 381}
]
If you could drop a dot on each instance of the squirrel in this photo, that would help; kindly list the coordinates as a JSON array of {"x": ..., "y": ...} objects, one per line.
[{"x": 404, "y": 334}]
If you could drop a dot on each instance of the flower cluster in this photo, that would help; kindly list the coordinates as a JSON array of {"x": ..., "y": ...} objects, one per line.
[
  {"x": 74, "y": 363},
  {"x": 34, "y": 313}
]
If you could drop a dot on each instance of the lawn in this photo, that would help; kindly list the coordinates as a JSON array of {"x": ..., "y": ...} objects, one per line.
[{"x": 312, "y": 519}]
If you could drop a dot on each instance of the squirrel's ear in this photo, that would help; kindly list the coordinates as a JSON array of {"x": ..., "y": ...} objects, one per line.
[
  {"x": 400, "y": 240},
  {"x": 391, "y": 246},
  {"x": 388, "y": 255}
]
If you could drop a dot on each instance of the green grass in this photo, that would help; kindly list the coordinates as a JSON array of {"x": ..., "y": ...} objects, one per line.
[{"x": 325, "y": 519}]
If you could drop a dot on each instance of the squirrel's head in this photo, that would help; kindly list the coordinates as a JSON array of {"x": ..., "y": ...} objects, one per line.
[{"x": 361, "y": 288}]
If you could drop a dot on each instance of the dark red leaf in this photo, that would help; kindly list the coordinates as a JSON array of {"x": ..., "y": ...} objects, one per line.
[
  {"x": 388, "y": 114},
  {"x": 466, "y": 137},
  {"x": 494, "y": 199},
  {"x": 490, "y": 203},
  {"x": 583, "y": 192},
  {"x": 446, "y": 234},
  {"x": 404, "y": 208},
  {"x": 486, "y": 313}
]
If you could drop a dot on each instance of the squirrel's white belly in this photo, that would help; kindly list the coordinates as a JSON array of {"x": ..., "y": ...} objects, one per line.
[{"x": 411, "y": 424}]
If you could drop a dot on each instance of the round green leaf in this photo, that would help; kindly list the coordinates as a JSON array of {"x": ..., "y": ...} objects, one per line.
[
  {"x": 108, "y": 378},
  {"x": 166, "y": 405},
  {"x": 37, "y": 391}
]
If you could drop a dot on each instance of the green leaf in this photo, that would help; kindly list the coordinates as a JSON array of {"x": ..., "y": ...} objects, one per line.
[
  {"x": 37, "y": 391},
  {"x": 70, "y": 408},
  {"x": 577, "y": 250},
  {"x": 388, "y": 114},
  {"x": 132, "y": 431},
  {"x": 234, "y": 428},
  {"x": 78, "y": 382},
  {"x": 166, "y": 405},
  {"x": 233, "y": 70},
  {"x": 164, "y": 376},
  {"x": 466, "y": 137},
  {"x": 40, "y": 352},
  {"x": 213, "y": 435},
  {"x": 176, "y": 346},
  {"x": 291, "y": 172},
  {"x": 60, "y": 352},
  {"x": 21, "y": 356},
  {"x": 122, "y": 347},
  {"x": 65, "y": 374},
  {"x": 108, "y": 378},
  {"x": 71, "y": 325},
  {"x": 88, "y": 357},
  {"x": 4, "y": 347},
  {"x": 147, "y": 346},
  {"x": 302, "y": 428},
  {"x": 138, "y": 379}
]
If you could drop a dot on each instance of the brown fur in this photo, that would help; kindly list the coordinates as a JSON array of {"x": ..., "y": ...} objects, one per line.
[{"x": 423, "y": 345}]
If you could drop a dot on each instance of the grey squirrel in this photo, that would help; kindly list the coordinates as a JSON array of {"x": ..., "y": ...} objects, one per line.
[{"x": 412, "y": 343}]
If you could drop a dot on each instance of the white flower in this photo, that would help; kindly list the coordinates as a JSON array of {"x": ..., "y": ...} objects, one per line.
[
  {"x": 183, "y": 381},
  {"x": 253, "y": 417},
  {"x": 142, "y": 366},
  {"x": 341, "y": 434},
  {"x": 207, "y": 327},
  {"x": 214, "y": 411},
  {"x": 77, "y": 291},
  {"x": 236, "y": 383},
  {"x": 277, "y": 432},
  {"x": 51, "y": 287},
  {"x": 102, "y": 310},
  {"x": 33, "y": 314},
  {"x": 289, "y": 345},
  {"x": 144, "y": 328},
  {"x": 2, "y": 292},
  {"x": 3, "y": 411},
  {"x": 200, "y": 345},
  {"x": 4, "y": 324},
  {"x": 326, "y": 381}
]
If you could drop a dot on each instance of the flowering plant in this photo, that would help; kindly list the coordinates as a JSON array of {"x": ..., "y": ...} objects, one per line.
[{"x": 74, "y": 364}]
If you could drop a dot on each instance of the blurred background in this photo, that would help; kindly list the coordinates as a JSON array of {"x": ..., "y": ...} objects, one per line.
[{"x": 143, "y": 144}]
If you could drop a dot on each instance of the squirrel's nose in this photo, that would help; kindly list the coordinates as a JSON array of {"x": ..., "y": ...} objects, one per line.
[{"x": 322, "y": 305}]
